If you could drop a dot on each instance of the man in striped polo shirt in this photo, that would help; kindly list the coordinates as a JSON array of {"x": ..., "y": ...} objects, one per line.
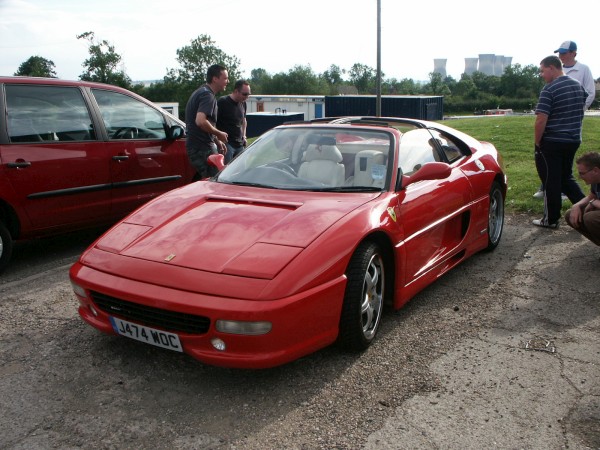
[{"x": 557, "y": 134}]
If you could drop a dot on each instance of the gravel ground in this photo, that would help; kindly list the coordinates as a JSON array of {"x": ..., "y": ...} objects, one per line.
[{"x": 449, "y": 370}]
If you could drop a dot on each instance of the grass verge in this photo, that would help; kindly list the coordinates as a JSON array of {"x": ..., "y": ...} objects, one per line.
[{"x": 513, "y": 137}]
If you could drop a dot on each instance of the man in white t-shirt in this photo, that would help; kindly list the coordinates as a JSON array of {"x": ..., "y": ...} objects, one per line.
[{"x": 574, "y": 69}]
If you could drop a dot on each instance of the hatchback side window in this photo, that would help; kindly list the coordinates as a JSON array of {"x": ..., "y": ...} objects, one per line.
[
  {"x": 47, "y": 113},
  {"x": 127, "y": 118}
]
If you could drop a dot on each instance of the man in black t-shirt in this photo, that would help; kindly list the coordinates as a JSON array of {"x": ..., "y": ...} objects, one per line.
[
  {"x": 201, "y": 111},
  {"x": 232, "y": 118}
]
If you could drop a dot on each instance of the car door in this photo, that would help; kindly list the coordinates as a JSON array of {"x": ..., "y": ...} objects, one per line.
[
  {"x": 144, "y": 162},
  {"x": 433, "y": 212},
  {"x": 55, "y": 164}
]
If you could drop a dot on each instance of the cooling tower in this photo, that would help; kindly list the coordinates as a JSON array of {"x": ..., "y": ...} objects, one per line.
[
  {"x": 471, "y": 65},
  {"x": 499, "y": 65},
  {"x": 439, "y": 66},
  {"x": 486, "y": 63}
]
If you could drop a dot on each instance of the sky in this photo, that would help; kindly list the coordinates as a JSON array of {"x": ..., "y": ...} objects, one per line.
[{"x": 277, "y": 35}]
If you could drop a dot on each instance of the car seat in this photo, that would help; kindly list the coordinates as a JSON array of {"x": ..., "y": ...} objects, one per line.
[
  {"x": 369, "y": 168},
  {"x": 322, "y": 163}
]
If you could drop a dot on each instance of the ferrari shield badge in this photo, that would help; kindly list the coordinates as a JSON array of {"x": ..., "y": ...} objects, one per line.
[
  {"x": 170, "y": 257},
  {"x": 392, "y": 213}
]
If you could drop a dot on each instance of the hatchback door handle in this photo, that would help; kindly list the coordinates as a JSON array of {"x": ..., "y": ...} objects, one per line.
[
  {"x": 19, "y": 165},
  {"x": 120, "y": 158}
]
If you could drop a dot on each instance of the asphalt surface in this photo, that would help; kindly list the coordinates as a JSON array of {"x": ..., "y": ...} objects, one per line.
[
  {"x": 502, "y": 352},
  {"x": 531, "y": 380}
]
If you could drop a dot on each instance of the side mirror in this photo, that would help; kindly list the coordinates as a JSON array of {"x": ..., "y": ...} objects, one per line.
[
  {"x": 428, "y": 171},
  {"x": 175, "y": 132},
  {"x": 217, "y": 161}
]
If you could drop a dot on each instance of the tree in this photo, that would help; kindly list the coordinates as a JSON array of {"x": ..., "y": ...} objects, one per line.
[
  {"x": 450, "y": 82},
  {"x": 518, "y": 81},
  {"x": 102, "y": 64},
  {"x": 259, "y": 80},
  {"x": 406, "y": 86},
  {"x": 465, "y": 87},
  {"x": 333, "y": 78},
  {"x": 488, "y": 84},
  {"x": 436, "y": 85},
  {"x": 36, "y": 66},
  {"x": 302, "y": 80},
  {"x": 196, "y": 58},
  {"x": 363, "y": 77}
]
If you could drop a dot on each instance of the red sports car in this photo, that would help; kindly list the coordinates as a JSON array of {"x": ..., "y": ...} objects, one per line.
[{"x": 297, "y": 243}]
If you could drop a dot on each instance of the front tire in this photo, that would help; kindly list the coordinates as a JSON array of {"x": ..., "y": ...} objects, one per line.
[
  {"x": 6, "y": 246},
  {"x": 363, "y": 300},
  {"x": 495, "y": 216}
]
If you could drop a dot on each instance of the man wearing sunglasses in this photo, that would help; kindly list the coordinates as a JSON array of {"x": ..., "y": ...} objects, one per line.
[
  {"x": 584, "y": 216},
  {"x": 232, "y": 118}
]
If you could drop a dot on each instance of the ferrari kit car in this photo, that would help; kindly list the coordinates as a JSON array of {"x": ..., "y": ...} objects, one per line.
[{"x": 298, "y": 243}]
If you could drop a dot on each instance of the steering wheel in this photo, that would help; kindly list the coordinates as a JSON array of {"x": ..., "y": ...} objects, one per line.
[
  {"x": 121, "y": 133},
  {"x": 283, "y": 166}
]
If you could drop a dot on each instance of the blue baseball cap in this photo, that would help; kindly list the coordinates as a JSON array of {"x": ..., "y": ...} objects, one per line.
[{"x": 565, "y": 47}]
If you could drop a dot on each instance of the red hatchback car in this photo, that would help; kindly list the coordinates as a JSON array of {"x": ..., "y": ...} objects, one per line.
[
  {"x": 76, "y": 154},
  {"x": 297, "y": 243}
]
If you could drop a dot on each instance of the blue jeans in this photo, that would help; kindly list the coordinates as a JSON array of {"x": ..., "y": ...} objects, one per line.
[{"x": 232, "y": 152}]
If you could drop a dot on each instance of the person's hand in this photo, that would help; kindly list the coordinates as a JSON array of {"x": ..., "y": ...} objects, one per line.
[
  {"x": 221, "y": 136},
  {"x": 222, "y": 147},
  {"x": 591, "y": 206},
  {"x": 576, "y": 216}
]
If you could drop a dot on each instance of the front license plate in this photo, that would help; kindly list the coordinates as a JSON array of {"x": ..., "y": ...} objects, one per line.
[{"x": 148, "y": 335}]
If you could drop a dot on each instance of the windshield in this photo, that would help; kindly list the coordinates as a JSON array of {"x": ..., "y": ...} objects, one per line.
[{"x": 314, "y": 158}]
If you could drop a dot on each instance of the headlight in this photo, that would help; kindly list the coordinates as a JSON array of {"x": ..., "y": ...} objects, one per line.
[
  {"x": 79, "y": 291},
  {"x": 238, "y": 327}
]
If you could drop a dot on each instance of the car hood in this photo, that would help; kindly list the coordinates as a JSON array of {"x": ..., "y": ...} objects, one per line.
[{"x": 219, "y": 228}]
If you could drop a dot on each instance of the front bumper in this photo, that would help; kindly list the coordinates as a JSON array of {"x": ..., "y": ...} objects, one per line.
[{"x": 301, "y": 323}]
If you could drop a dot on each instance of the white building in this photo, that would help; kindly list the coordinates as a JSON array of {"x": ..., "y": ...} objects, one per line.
[
  {"x": 171, "y": 107},
  {"x": 312, "y": 106}
]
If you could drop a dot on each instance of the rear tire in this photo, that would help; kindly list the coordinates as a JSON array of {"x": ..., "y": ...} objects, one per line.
[
  {"x": 6, "y": 246},
  {"x": 495, "y": 216},
  {"x": 363, "y": 300}
]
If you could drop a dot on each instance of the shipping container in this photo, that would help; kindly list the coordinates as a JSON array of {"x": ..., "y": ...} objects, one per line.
[
  {"x": 409, "y": 106},
  {"x": 260, "y": 122}
]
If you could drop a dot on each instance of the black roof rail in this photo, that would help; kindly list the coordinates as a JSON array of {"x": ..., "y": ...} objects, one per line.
[{"x": 381, "y": 121}]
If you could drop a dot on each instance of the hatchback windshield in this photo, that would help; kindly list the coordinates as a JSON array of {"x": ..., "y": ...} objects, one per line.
[{"x": 315, "y": 158}]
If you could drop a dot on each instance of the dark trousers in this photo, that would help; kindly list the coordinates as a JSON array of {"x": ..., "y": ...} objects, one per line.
[
  {"x": 199, "y": 158},
  {"x": 554, "y": 164},
  {"x": 590, "y": 224}
]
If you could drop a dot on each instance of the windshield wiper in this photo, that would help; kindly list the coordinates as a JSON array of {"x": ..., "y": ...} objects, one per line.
[
  {"x": 347, "y": 189},
  {"x": 246, "y": 183}
]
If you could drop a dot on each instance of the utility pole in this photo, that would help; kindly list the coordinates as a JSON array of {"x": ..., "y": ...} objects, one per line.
[{"x": 378, "y": 107}]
